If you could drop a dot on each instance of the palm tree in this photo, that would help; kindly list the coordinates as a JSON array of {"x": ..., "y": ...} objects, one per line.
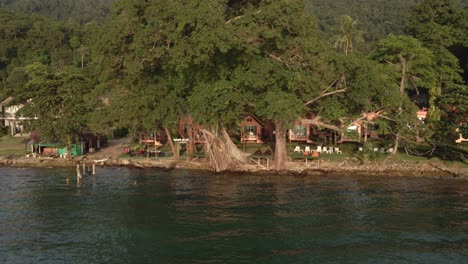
[{"x": 346, "y": 33}]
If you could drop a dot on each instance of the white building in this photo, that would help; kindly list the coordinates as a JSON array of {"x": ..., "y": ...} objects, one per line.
[{"x": 9, "y": 118}]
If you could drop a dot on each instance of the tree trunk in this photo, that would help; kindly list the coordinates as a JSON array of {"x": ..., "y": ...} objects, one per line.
[
  {"x": 69, "y": 156},
  {"x": 69, "y": 153},
  {"x": 365, "y": 133},
  {"x": 191, "y": 148},
  {"x": 280, "y": 146},
  {"x": 171, "y": 143},
  {"x": 403, "y": 75},
  {"x": 402, "y": 92},
  {"x": 397, "y": 142}
]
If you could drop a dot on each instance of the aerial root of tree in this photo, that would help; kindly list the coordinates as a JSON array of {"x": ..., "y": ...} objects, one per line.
[
  {"x": 234, "y": 151},
  {"x": 221, "y": 152}
]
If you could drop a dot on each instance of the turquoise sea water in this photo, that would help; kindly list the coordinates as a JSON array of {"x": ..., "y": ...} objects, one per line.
[{"x": 153, "y": 216}]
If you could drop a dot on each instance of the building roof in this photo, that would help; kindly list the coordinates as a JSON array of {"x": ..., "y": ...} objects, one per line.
[
  {"x": 6, "y": 101},
  {"x": 254, "y": 118}
]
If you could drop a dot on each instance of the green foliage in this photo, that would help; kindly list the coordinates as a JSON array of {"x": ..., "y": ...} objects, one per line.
[
  {"x": 437, "y": 22},
  {"x": 415, "y": 62},
  {"x": 442, "y": 27},
  {"x": 57, "y": 113},
  {"x": 76, "y": 11}
]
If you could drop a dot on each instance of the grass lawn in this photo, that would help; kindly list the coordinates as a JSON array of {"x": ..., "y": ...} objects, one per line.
[{"x": 12, "y": 146}]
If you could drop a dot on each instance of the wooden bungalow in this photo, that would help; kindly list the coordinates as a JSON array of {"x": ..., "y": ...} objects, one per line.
[
  {"x": 353, "y": 133},
  {"x": 191, "y": 130},
  {"x": 155, "y": 138},
  {"x": 251, "y": 130},
  {"x": 300, "y": 133}
]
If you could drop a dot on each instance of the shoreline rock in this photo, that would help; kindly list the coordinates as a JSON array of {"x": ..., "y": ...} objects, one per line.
[{"x": 404, "y": 168}]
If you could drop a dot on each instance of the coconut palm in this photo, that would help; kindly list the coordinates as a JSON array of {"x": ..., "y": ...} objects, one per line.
[{"x": 346, "y": 33}]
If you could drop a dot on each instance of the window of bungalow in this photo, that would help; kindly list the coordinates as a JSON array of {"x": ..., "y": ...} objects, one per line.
[
  {"x": 300, "y": 130},
  {"x": 250, "y": 130}
]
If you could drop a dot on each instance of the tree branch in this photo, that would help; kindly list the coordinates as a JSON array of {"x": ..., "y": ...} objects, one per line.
[
  {"x": 278, "y": 59},
  {"x": 316, "y": 122},
  {"x": 239, "y": 17},
  {"x": 324, "y": 93}
]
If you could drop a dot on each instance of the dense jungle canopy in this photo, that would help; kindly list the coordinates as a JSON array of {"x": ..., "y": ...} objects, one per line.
[{"x": 220, "y": 60}]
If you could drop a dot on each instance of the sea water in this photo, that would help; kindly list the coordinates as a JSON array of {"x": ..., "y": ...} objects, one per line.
[{"x": 152, "y": 216}]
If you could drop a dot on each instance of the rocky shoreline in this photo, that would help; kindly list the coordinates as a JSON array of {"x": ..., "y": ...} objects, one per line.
[{"x": 347, "y": 167}]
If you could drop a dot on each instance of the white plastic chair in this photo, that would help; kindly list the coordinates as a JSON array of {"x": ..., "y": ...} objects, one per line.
[
  {"x": 338, "y": 151},
  {"x": 390, "y": 150},
  {"x": 376, "y": 149},
  {"x": 330, "y": 150},
  {"x": 324, "y": 150},
  {"x": 297, "y": 149},
  {"x": 307, "y": 149},
  {"x": 319, "y": 149}
]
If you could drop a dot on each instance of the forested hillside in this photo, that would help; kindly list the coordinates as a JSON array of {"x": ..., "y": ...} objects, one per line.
[
  {"x": 78, "y": 11},
  {"x": 375, "y": 18}
]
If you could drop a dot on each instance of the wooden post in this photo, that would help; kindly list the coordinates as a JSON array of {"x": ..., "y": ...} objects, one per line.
[
  {"x": 78, "y": 173},
  {"x": 84, "y": 169},
  {"x": 94, "y": 169}
]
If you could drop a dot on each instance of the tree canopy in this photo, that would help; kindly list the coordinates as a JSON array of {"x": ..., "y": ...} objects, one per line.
[{"x": 217, "y": 61}]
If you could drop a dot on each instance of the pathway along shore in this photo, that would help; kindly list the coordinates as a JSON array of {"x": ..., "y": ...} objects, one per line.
[{"x": 350, "y": 166}]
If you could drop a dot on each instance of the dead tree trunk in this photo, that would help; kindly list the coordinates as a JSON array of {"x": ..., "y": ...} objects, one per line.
[{"x": 280, "y": 146}]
